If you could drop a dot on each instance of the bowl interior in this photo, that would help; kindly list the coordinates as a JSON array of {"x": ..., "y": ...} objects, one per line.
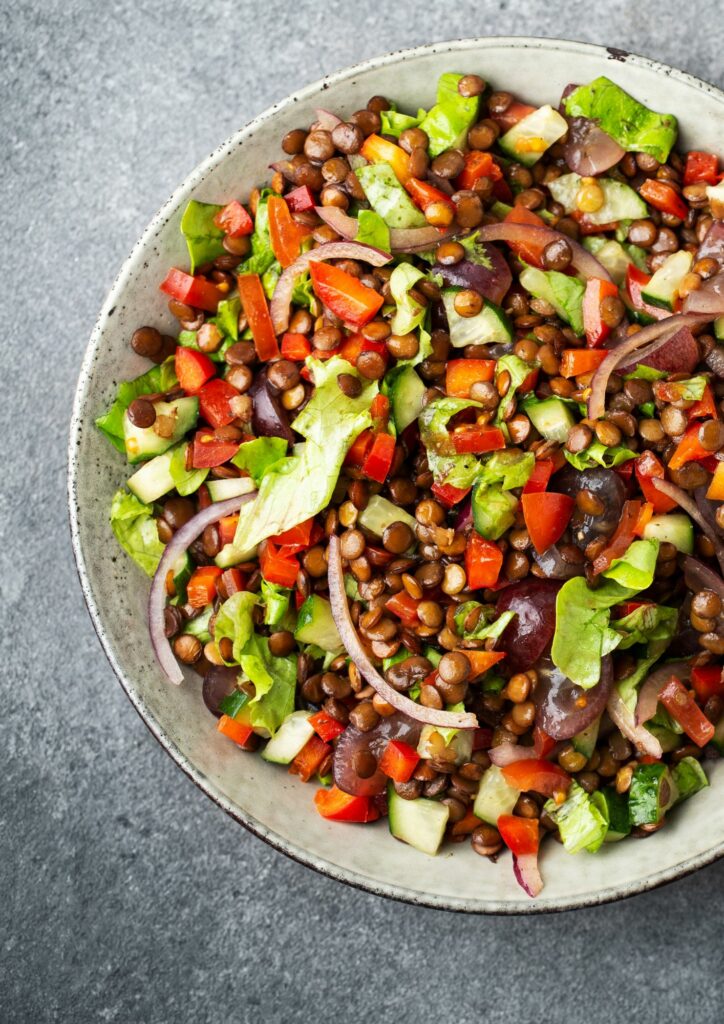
[{"x": 263, "y": 797}]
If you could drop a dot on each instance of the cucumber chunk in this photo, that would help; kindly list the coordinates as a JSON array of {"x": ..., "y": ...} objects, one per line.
[
  {"x": 406, "y": 397},
  {"x": 620, "y": 202},
  {"x": 291, "y": 736},
  {"x": 652, "y": 792},
  {"x": 689, "y": 777},
  {"x": 143, "y": 443},
  {"x": 315, "y": 625},
  {"x": 420, "y": 823},
  {"x": 585, "y": 741},
  {"x": 552, "y": 418},
  {"x": 495, "y": 796},
  {"x": 675, "y": 528},
  {"x": 381, "y": 513},
  {"x": 490, "y": 327},
  {"x": 220, "y": 490},
  {"x": 153, "y": 479},
  {"x": 663, "y": 288},
  {"x": 528, "y": 140}
]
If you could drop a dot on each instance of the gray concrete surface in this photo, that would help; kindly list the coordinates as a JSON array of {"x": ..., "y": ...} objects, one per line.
[{"x": 125, "y": 895}]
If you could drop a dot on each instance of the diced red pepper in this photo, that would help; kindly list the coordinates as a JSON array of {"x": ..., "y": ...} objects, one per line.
[
  {"x": 645, "y": 516},
  {"x": 716, "y": 487},
  {"x": 399, "y": 761},
  {"x": 461, "y": 374},
  {"x": 635, "y": 281},
  {"x": 663, "y": 196},
  {"x": 276, "y": 567},
  {"x": 546, "y": 516},
  {"x": 705, "y": 409},
  {"x": 478, "y": 164},
  {"x": 380, "y": 412},
  {"x": 529, "y": 382},
  {"x": 325, "y": 726},
  {"x": 194, "y": 291},
  {"x": 587, "y": 227},
  {"x": 575, "y": 362},
  {"x": 423, "y": 194},
  {"x": 404, "y": 607},
  {"x": 285, "y": 234},
  {"x": 233, "y": 581},
  {"x": 208, "y": 451},
  {"x": 622, "y": 537},
  {"x": 234, "y": 730},
  {"x": 234, "y": 220},
  {"x": 335, "y": 805},
  {"x": 300, "y": 199},
  {"x": 596, "y": 291},
  {"x": 193, "y": 369},
  {"x": 256, "y": 309},
  {"x": 359, "y": 450},
  {"x": 296, "y": 538},
  {"x": 309, "y": 758},
  {"x": 520, "y": 835},
  {"x": 376, "y": 149},
  {"x": 482, "y": 661},
  {"x": 227, "y": 528},
  {"x": 701, "y": 167},
  {"x": 201, "y": 588},
  {"x": 538, "y": 480},
  {"x": 688, "y": 449},
  {"x": 537, "y": 775},
  {"x": 628, "y": 607},
  {"x": 483, "y": 562},
  {"x": 513, "y": 113},
  {"x": 215, "y": 402},
  {"x": 707, "y": 682},
  {"x": 295, "y": 347},
  {"x": 377, "y": 464},
  {"x": 449, "y": 495},
  {"x": 682, "y": 707},
  {"x": 531, "y": 252},
  {"x": 472, "y": 439},
  {"x": 649, "y": 468},
  {"x": 542, "y": 742},
  {"x": 351, "y": 301}
]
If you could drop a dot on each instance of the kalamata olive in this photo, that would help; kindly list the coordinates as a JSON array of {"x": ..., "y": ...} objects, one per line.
[
  {"x": 561, "y": 709},
  {"x": 269, "y": 416},
  {"x": 604, "y": 484},
  {"x": 352, "y": 742},
  {"x": 218, "y": 683},
  {"x": 531, "y": 631},
  {"x": 492, "y": 280}
]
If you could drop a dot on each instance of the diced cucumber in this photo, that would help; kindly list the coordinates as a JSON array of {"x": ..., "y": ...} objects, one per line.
[
  {"x": 663, "y": 288},
  {"x": 652, "y": 792},
  {"x": 381, "y": 513},
  {"x": 493, "y": 511},
  {"x": 315, "y": 625},
  {"x": 614, "y": 808},
  {"x": 610, "y": 254},
  {"x": 561, "y": 291},
  {"x": 620, "y": 202},
  {"x": 495, "y": 796},
  {"x": 461, "y": 743},
  {"x": 406, "y": 397},
  {"x": 552, "y": 418},
  {"x": 182, "y": 569},
  {"x": 675, "y": 528},
  {"x": 153, "y": 479},
  {"x": 293, "y": 734},
  {"x": 143, "y": 442},
  {"x": 199, "y": 625},
  {"x": 220, "y": 490},
  {"x": 490, "y": 327},
  {"x": 420, "y": 823},
  {"x": 689, "y": 777},
  {"x": 528, "y": 140},
  {"x": 230, "y": 555},
  {"x": 719, "y": 328},
  {"x": 388, "y": 198},
  {"x": 585, "y": 742},
  {"x": 432, "y": 655}
]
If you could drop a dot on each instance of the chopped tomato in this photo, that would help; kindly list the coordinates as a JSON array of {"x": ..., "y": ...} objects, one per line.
[
  {"x": 596, "y": 291},
  {"x": 483, "y": 562},
  {"x": 688, "y": 449},
  {"x": 194, "y": 291},
  {"x": 529, "y": 382},
  {"x": 531, "y": 252},
  {"x": 448, "y": 494},
  {"x": 399, "y": 761},
  {"x": 295, "y": 347},
  {"x": 701, "y": 167},
  {"x": 635, "y": 281},
  {"x": 538, "y": 480},
  {"x": 285, "y": 234},
  {"x": 461, "y": 374},
  {"x": 234, "y": 730},
  {"x": 482, "y": 661},
  {"x": 682, "y": 707},
  {"x": 208, "y": 451},
  {"x": 513, "y": 113},
  {"x": 707, "y": 682},
  {"x": 256, "y": 309},
  {"x": 645, "y": 517},
  {"x": 663, "y": 196},
  {"x": 478, "y": 164},
  {"x": 376, "y": 149},
  {"x": 277, "y": 567},
  {"x": 309, "y": 758},
  {"x": 343, "y": 293},
  {"x": 575, "y": 362},
  {"x": 378, "y": 461},
  {"x": 423, "y": 194},
  {"x": 716, "y": 487},
  {"x": 360, "y": 447},
  {"x": 546, "y": 516},
  {"x": 649, "y": 468},
  {"x": 471, "y": 439},
  {"x": 542, "y": 742},
  {"x": 334, "y": 805},
  {"x": 520, "y": 835},
  {"x": 404, "y": 607},
  {"x": 705, "y": 409},
  {"x": 300, "y": 199},
  {"x": 201, "y": 588},
  {"x": 325, "y": 726},
  {"x": 296, "y": 538},
  {"x": 193, "y": 369},
  {"x": 234, "y": 220},
  {"x": 622, "y": 536},
  {"x": 537, "y": 775},
  {"x": 227, "y": 528},
  {"x": 215, "y": 402}
]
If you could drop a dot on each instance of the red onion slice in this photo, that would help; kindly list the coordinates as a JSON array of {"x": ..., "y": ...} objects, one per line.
[
  {"x": 179, "y": 543},
  {"x": 597, "y": 399},
  {"x": 281, "y": 302},
  {"x": 649, "y": 693},
  {"x": 708, "y": 299},
  {"x": 338, "y": 221},
  {"x": 408, "y": 240},
  {"x": 527, "y": 874},
  {"x": 583, "y": 261},
  {"x": 698, "y": 576},
  {"x": 350, "y": 639},
  {"x": 589, "y": 150},
  {"x": 508, "y": 753},
  {"x": 690, "y": 507},
  {"x": 713, "y": 243},
  {"x": 641, "y": 738}
]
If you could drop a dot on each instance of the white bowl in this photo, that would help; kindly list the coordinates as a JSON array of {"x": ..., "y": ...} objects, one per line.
[{"x": 269, "y": 802}]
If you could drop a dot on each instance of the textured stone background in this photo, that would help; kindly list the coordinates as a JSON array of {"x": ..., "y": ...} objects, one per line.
[{"x": 125, "y": 895}]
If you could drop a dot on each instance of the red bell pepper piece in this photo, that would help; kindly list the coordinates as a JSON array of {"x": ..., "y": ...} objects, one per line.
[
  {"x": 520, "y": 835},
  {"x": 471, "y": 439},
  {"x": 622, "y": 536},
  {"x": 404, "y": 607},
  {"x": 531, "y": 252},
  {"x": 325, "y": 726},
  {"x": 707, "y": 682},
  {"x": 193, "y": 369},
  {"x": 215, "y": 402},
  {"x": 482, "y": 661},
  {"x": 334, "y": 805},
  {"x": 716, "y": 487},
  {"x": 201, "y": 588},
  {"x": 529, "y": 382},
  {"x": 399, "y": 761},
  {"x": 194, "y": 291},
  {"x": 542, "y": 742},
  {"x": 300, "y": 199},
  {"x": 688, "y": 449},
  {"x": 538, "y": 480},
  {"x": 461, "y": 374},
  {"x": 255, "y": 306},
  {"x": 483, "y": 562},
  {"x": 227, "y": 528},
  {"x": 649, "y": 468},
  {"x": 537, "y": 775},
  {"x": 682, "y": 707},
  {"x": 285, "y": 234},
  {"x": 645, "y": 516},
  {"x": 208, "y": 451},
  {"x": 663, "y": 196},
  {"x": 234, "y": 220},
  {"x": 276, "y": 567},
  {"x": 701, "y": 167},
  {"x": 449, "y": 495},
  {"x": 596, "y": 291},
  {"x": 513, "y": 113},
  {"x": 380, "y": 412},
  {"x": 546, "y": 516},
  {"x": 359, "y": 450},
  {"x": 377, "y": 463},
  {"x": 376, "y": 149},
  {"x": 343, "y": 293},
  {"x": 234, "y": 730},
  {"x": 233, "y": 580},
  {"x": 309, "y": 758},
  {"x": 635, "y": 281},
  {"x": 423, "y": 194},
  {"x": 478, "y": 164},
  {"x": 628, "y": 607},
  {"x": 575, "y": 362},
  {"x": 705, "y": 409},
  {"x": 296, "y": 538},
  {"x": 295, "y": 347}
]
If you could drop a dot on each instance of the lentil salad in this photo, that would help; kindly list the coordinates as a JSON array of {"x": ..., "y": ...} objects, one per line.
[{"x": 477, "y": 592}]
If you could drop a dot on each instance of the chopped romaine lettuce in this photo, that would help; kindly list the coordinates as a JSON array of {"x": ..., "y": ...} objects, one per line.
[
  {"x": 157, "y": 380},
  {"x": 493, "y": 510},
  {"x": 135, "y": 528},
  {"x": 372, "y": 230},
  {"x": 487, "y": 627},
  {"x": 519, "y": 371},
  {"x": 598, "y": 454},
  {"x": 257, "y": 456},
  {"x": 276, "y": 602},
  {"x": 580, "y": 822},
  {"x": 508, "y": 468},
  {"x": 227, "y": 317},
  {"x": 234, "y": 621},
  {"x": 447, "y": 124},
  {"x": 635, "y": 569},
  {"x": 395, "y": 123},
  {"x": 388, "y": 198},
  {"x": 203, "y": 238},
  {"x": 186, "y": 481},
  {"x": 262, "y": 255},
  {"x": 434, "y": 419},
  {"x": 563, "y": 292},
  {"x": 409, "y": 313}
]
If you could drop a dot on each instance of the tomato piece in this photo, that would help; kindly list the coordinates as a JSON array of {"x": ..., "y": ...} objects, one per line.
[
  {"x": 645, "y": 516},
  {"x": 285, "y": 234},
  {"x": 378, "y": 461},
  {"x": 309, "y": 758},
  {"x": 649, "y": 468},
  {"x": 705, "y": 409},
  {"x": 234, "y": 730},
  {"x": 531, "y": 252},
  {"x": 215, "y": 402},
  {"x": 334, "y": 805},
  {"x": 448, "y": 494},
  {"x": 575, "y": 362},
  {"x": 482, "y": 661},
  {"x": 663, "y": 196},
  {"x": 682, "y": 707},
  {"x": 295, "y": 347},
  {"x": 472, "y": 439},
  {"x": 520, "y": 835},
  {"x": 707, "y": 682},
  {"x": 538, "y": 480},
  {"x": 343, "y": 293},
  {"x": 207, "y": 451},
  {"x": 399, "y": 761},
  {"x": 542, "y": 742},
  {"x": 622, "y": 536},
  {"x": 688, "y": 449},
  {"x": 234, "y": 220},
  {"x": 404, "y": 607},
  {"x": 537, "y": 775},
  {"x": 277, "y": 567},
  {"x": 296, "y": 538},
  {"x": 701, "y": 167},
  {"x": 256, "y": 309},
  {"x": 201, "y": 588},
  {"x": 546, "y": 516},
  {"x": 376, "y": 149},
  {"x": 596, "y": 291},
  {"x": 461, "y": 374},
  {"x": 360, "y": 447},
  {"x": 300, "y": 199},
  {"x": 483, "y": 562},
  {"x": 478, "y": 164},
  {"x": 325, "y": 726},
  {"x": 423, "y": 194},
  {"x": 193, "y": 369},
  {"x": 716, "y": 487},
  {"x": 194, "y": 291}
]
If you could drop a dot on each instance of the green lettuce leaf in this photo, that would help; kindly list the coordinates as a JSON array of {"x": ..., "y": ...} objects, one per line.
[
  {"x": 635, "y": 127},
  {"x": 135, "y": 528},
  {"x": 475, "y": 251},
  {"x": 654, "y": 626},
  {"x": 203, "y": 239},
  {"x": 275, "y": 680},
  {"x": 157, "y": 380},
  {"x": 598, "y": 454},
  {"x": 563, "y": 292},
  {"x": 234, "y": 622},
  {"x": 519, "y": 371},
  {"x": 493, "y": 511},
  {"x": 580, "y": 823},
  {"x": 372, "y": 230},
  {"x": 508, "y": 468},
  {"x": 635, "y": 569},
  {"x": 488, "y": 627},
  {"x": 643, "y": 372},
  {"x": 227, "y": 317},
  {"x": 447, "y": 124},
  {"x": 433, "y": 421},
  {"x": 691, "y": 390},
  {"x": 262, "y": 255},
  {"x": 257, "y": 456},
  {"x": 186, "y": 481},
  {"x": 409, "y": 313},
  {"x": 388, "y": 198},
  {"x": 276, "y": 602},
  {"x": 395, "y": 123},
  {"x": 303, "y": 293}
]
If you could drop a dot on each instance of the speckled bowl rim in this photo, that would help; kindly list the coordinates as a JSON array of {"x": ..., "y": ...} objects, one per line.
[{"x": 290, "y": 849}]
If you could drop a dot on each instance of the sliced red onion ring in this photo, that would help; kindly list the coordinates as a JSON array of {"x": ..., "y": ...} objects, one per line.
[
  {"x": 350, "y": 639},
  {"x": 589, "y": 150},
  {"x": 713, "y": 243},
  {"x": 641, "y": 738},
  {"x": 326, "y": 120},
  {"x": 690, "y": 507},
  {"x": 281, "y": 302},
  {"x": 338, "y": 220},
  {"x": 508, "y": 753},
  {"x": 527, "y": 874},
  {"x": 597, "y": 399},
  {"x": 677, "y": 352},
  {"x": 649, "y": 693},
  {"x": 409, "y": 240},
  {"x": 708, "y": 299},
  {"x": 583, "y": 261},
  {"x": 179, "y": 543},
  {"x": 698, "y": 576}
]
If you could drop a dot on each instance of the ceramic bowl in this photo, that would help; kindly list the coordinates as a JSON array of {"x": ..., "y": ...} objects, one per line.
[{"x": 265, "y": 799}]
